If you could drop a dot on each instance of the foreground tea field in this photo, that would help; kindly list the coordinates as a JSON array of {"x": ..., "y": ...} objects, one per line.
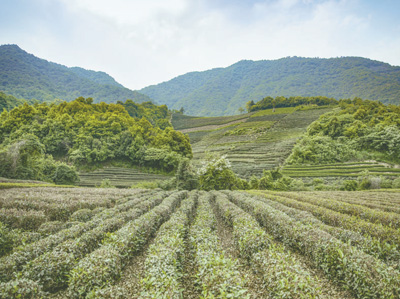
[{"x": 102, "y": 243}]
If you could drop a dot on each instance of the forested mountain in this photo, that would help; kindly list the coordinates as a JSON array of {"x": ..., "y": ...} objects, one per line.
[
  {"x": 9, "y": 102},
  {"x": 222, "y": 91},
  {"x": 23, "y": 75}
]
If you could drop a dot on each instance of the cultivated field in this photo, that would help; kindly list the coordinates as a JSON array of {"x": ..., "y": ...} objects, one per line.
[
  {"x": 110, "y": 243},
  {"x": 350, "y": 169},
  {"x": 118, "y": 177},
  {"x": 252, "y": 142}
]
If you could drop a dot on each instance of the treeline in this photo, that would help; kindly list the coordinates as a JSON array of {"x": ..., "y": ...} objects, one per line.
[
  {"x": 81, "y": 133},
  {"x": 279, "y": 102},
  {"x": 157, "y": 115},
  {"x": 9, "y": 102},
  {"x": 358, "y": 128}
]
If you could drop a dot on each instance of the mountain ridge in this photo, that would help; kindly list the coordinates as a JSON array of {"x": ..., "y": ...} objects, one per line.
[
  {"x": 26, "y": 76},
  {"x": 221, "y": 91}
]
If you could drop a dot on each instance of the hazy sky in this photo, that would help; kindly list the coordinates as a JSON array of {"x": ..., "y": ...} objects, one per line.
[{"x": 143, "y": 42}]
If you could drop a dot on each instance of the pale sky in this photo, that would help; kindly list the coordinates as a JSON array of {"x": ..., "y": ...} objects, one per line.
[{"x": 144, "y": 42}]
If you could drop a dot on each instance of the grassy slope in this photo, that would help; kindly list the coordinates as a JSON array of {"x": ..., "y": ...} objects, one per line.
[{"x": 262, "y": 141}]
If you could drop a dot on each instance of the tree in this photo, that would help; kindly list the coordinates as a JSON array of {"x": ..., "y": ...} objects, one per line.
[
  {"x": 65, "y": 175},
  {"x": 249, "y": 104},
  {"x": 241, "y": 110},
  {"x": 217, "y": 174}
]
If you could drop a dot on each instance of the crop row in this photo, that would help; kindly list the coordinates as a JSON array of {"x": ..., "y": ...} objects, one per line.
[
  {"x": 13, "y": 263},
  {"x": 52, "y": 269},
  {"x": 104, "y": 265},
  {"x": 364, "y": 198},
  {"x": 386, "y": 207},
  {"x": 374, "y": 216},
  {"x": 360, "y": 273},
  {"x": 72, "y": 198},
  {"x": 217, "y": 274},
  {"x": 370, "y": 245},
  {"x": 383, "y": 233},
  {"x": 29, "y": 213},
  {"x": 282, "y": 275},
  {"x": 165, "y": 257},
  {"x": 333, "y": 173}
]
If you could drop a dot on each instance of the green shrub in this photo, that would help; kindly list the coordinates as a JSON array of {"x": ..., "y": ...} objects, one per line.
[
  {"x": 216, "y": 174},
  {"x": 65, "y": 175},
  {"x": 365, "y": 184},
  {"x": 6, "y": 240},
  {"x": 254, "y": 182},
  {"x": 51, "y": 227},
  {"x": 396, "y": 183},
  {"x": 386, "y": 183},
  {"x": 82, "y": 215},
  {"x": 297, "y": 185},
  {"x": 21, "y": 288},
  {"x": 350, "y": 185},
  {"x": 106, "y": 183}
]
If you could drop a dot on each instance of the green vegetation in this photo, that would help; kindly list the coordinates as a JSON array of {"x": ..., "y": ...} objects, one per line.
[
  {"x": 9, "y": 102},
  {"x": 252, "y": 142},
  {"x": 118, "y": 177},
  {"x": 222, "y": 91},
  {"x": 85, "y": 135},
  {"x": 278, "y": 102},
  {"x": 347, "y": 133},
  {"x": 180, "y": 121},
  {"x": 127, "y": 243},
  {"x": 156, "y": 115},
  {"x": 25, "y": 76}
]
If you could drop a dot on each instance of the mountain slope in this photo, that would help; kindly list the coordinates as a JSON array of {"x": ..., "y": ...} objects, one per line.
[
  {"x": 222, "y": 91},
  {"x": 25, "y": 76},
  {"x": 253, "y": 141}
]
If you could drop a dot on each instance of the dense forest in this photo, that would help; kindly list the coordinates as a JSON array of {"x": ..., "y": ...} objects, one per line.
[
  {"x": 36, "y": 138},
  {"x": 222, "y": 91},
  {"x": 9, "y": 102},
  {"x": 359, "y": 129},
  {"x": 156, "y": 115},
  {"x": 280, "y": 102},
  {"x": 23, "y": 75}
]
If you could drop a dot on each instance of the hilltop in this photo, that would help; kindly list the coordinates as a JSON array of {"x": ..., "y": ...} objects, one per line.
[
  {"x": 23, "y": 75},
  {"x": 222, "y": 91}
]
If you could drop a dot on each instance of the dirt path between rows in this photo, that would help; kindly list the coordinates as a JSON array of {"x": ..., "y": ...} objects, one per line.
[{"x": 254, "y": 284}]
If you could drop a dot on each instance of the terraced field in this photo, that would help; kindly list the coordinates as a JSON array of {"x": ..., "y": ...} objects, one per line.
[
  {"x": 252, "y": 142},
  {"x": 125, "y": 243},
  {"x": 118, "y": 177},
  {"x": 352, "y": 169}
]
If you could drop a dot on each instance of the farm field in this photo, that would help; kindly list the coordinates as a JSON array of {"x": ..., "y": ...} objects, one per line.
[
  {"x": 136, "y": 243},
  {"x": 118, "y": 177},
  {"x": 252, "y": 142},
  {"x": 351, "y": 169}
]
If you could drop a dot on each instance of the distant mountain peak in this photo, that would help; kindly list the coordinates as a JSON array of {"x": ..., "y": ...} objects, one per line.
[
  {"x": 223, "y": 91},
  {"x": 26, "y": 76}
]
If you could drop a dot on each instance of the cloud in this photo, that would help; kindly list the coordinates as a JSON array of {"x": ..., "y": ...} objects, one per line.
[{"x": 141, "y": 42}]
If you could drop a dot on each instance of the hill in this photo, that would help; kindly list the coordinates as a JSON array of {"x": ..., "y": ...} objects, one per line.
[
  {"x": 35, "y": 138},
  {"x": 23, "y": 75},
  {"x": 222, "y": 91},
  {"x": 252, "y": 142}
]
